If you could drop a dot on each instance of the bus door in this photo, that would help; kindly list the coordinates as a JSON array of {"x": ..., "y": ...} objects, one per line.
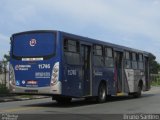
[
  {"x": 147, "y": 73},
  {"x": 118, "y": 56},
  {"x": 86, "y": 69}
]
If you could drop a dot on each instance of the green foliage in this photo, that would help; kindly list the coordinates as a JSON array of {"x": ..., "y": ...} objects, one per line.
[
  {"x": 1, "y": 68},
  {"x": 4, "y": 63},
  {"x": 155, "y": 83},
  {"x": 154, "y": 66},
  {"x": 6, "y": 57},
  {"x": 155, "y": 80}
]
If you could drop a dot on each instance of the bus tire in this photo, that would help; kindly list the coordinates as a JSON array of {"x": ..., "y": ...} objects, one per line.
[
  {"x": 101, "y": 98},
  {"x": 138, "y": 93},
  {"x": 63, "y": 100}
]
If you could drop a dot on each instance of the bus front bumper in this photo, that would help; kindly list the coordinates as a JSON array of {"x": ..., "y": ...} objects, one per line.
[{"x": 49, "y": 90}]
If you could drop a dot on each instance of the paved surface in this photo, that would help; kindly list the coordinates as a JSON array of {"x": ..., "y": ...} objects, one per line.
[
  {"x": 19, "y": 98},
  {"x": 148, "y": 103}
]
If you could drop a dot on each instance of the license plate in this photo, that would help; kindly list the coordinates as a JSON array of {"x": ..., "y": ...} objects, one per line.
[{"x": 32, "y": 82}]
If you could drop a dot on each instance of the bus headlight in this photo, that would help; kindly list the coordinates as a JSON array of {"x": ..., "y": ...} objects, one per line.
[
  {"x": 12, "y": 80},
  {"x": 55, "y": 74}
]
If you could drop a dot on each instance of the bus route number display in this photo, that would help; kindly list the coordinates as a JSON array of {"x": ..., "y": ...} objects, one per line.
[{"x": 44, "y": 66}]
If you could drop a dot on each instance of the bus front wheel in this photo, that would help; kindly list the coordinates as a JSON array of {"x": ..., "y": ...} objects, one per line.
[{"x": 101, "y": 98}]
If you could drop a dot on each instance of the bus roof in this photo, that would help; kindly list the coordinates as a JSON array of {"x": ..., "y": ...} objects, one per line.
[{"x": 94, "y": 41}]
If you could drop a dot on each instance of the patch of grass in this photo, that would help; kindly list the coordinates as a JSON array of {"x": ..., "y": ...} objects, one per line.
[
  {"x": 3, "y": 89},
  {"x": 26, "y": 96},
  {"x": 156, "y": 82}
]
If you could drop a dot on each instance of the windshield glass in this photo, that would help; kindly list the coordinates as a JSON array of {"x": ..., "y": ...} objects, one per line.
[{"x": 33, "y": 44}]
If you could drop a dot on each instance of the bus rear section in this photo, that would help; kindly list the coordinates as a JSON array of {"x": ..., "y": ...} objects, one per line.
[
  {"x": 34, "y": 63},
  {"x": 68, "y": 66}
]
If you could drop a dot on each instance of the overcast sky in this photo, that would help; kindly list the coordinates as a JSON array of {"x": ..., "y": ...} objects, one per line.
[{"x": 133, "y": 23}]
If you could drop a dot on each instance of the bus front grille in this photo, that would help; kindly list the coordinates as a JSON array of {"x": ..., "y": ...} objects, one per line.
[{"x": 31, "y": 91}]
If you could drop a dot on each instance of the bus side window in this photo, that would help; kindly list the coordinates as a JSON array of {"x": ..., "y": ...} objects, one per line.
[
  {"x": 109, "y": 62},
  {"x": 127, "y": 60},
  {"x": 140, "y": 62},
  {"x": 71, "y": 52},
  {"x": 98, "y": 55},
  {"x": 134, "y": 61}
]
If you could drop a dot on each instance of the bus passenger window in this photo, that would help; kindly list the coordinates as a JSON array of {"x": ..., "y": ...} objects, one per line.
[
  {"x": 109, "y": 57},
  {"x": 134, "y": 61},
  {"x": 98, "y": 58},
  {"x": 127, "y": 60},
  {"x": 140, "y": 62},
  {"x": 98, "y": 50},
  {"x": 71, "y": 52}
]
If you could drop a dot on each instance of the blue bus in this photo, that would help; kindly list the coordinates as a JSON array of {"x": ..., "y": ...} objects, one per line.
[{"x": 66, "y": 66}]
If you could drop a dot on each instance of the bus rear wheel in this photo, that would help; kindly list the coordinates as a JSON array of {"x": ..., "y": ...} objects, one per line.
[
  {"x": 138, "y": 93},
  {"x": 101, "y": 98}
]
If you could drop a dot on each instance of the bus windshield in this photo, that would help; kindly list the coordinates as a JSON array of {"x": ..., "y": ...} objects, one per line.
[{"x": 33, "y": 44}]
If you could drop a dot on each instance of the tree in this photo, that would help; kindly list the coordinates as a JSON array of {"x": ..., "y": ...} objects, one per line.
[
  {"x": 154, "y": 66},
  {"x": 4, "y": 66},
  {"x": 1, "y": 68},
  {"x": 6, "y": 57}
]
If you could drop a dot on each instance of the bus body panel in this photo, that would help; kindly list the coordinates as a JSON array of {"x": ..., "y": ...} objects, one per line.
[
  {"x": 72, "y": 81},
  {"x": 25, "y": 71},
  {"x": 106, "y": 74},
  {"x": 71, "y": 75},
  {"x": 35, "y": 76}
]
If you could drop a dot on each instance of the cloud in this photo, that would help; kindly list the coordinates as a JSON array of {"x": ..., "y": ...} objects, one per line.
[
  {"x": 125, "y": 16},
  {"x": 124, "y": 22},
  {"x": 3, "y": 38}
]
